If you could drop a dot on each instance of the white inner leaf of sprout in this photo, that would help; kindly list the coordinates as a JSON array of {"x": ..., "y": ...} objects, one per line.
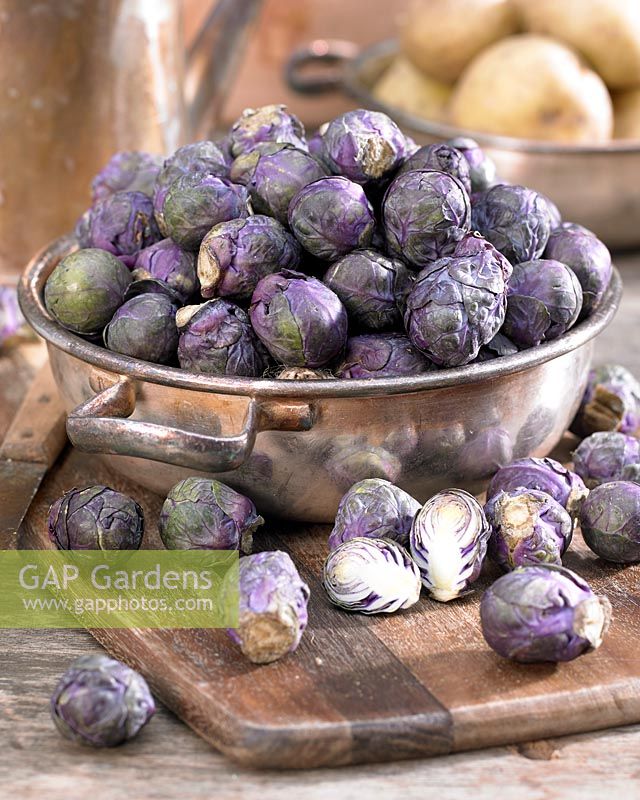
[
  {"x": 374, "y": 574},
  {"x": 590, "y": 620},
  {"x": 448, "y": 569}
]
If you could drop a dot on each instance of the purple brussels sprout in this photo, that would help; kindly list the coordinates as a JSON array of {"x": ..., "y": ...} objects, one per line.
[
  {"x": 371, "y": 287},
  {"x": 543, "y": 613},
  {"x": 482, "y": 170},
  {"x": 95, "y": 518},
  {"x": 11, "y": 319},
  {"x": 527, "y": 527},
  {"x": 499, "y": 346},
  {"x": 543, "y": 475},
  {"x": 197, "y": 202},
  {"x": 85, "y": 289},
  {"x": 554, "y": 213},
  {"x": 242, "y": 167},
  {"x": 381, "y": 355},
  {"x": 544, "y": 299},
  {"x": 203, "y": 157},
  {"x": 273, "y": 606},
  {"x": 123, "y": 224},
  {"x": 372, "y": 576},
  {"x": 266, "y": 124},
  {"x": 587, "y": 257},
  {"x": 606, "y": 456},
  {"x": 300, "y": 321},
  {"x": 144, "y": 327},
  {"x": 330, "y": 217},
  {"x": 374, "y": 508},
  {"x": 610, "y": 521},
  {"x": 611, "y": 402},
  {"x": 144, "y": 284},
  {"x": 514, "y": 219},
  {"x": 133, "y": 171},
  {"x": 363, "y": 145},
  {"x": 167, "y": 262},
  {"x": 425, "y": 214},
  {"x": 204, "y": 514},
  {"x": 315, "y": 145},
  {"x": 458, "y": 303},
  {"x": 448, "y": 542},
  {"x": 442, "y": 158},
  {"x": 278, "y": 176},
  {"x": 216, "y": 338},
  {"x": 101, "y": 702},
  {"x": 234, "y": 255}
]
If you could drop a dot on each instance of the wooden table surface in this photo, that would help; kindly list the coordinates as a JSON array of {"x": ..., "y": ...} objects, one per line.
[{"x": 169, "y": 761}]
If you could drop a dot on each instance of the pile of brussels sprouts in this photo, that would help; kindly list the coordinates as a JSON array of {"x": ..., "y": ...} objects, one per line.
[{"x": 354, "y": 254}]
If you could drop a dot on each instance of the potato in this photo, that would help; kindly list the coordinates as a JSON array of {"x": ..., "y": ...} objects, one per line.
[
  {"x": 605, "y": 32},
  {"x": 534, "y": 88},
  {"x": 626, "y": 114},
  {"x": 442, "y": 36},
  {"x": 406, "y": 88}
]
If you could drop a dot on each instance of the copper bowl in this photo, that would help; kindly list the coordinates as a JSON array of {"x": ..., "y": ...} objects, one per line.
[
  {"x": 595, "y": 185},
  {"x": 296, "y": 446}
]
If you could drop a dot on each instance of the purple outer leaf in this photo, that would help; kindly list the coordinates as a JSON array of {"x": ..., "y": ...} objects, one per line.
[
  {"x": 216, "y": 338},
  {"x": 235, "y": 255},
  {"x": 330, "y": 217},
  {"x": 371, "y": 287},
  {"x": 374, "y": 508},
  {"x": 514, "y": 219},
  {"x": 145, "y": 328},
  {"x": 205, "y": 157},
  {"x": 544, "y": 475},
  {"x": 363, "y": 145},
  {"x": 278, "y": 176},
  {"x": 448, "y": 542},
  {"x": 299, "y": 320},
  {"x": 588, "y": 258},
  {"x": 611, "y": 402},
  {"x": 204, "y": 514},
  {"x": 122, "y": 223},
  {"x": 381, "y": 355},
  {"x": 132, "y": 171},
  {"x": 482, "y": 169},
  {"x": 372, "y": 576},
  {"x": 527, "y": 527},
  {"x": 544, "y": 299},
  {"x": 272, "y": 123},
  {"x": 273, "y": 607},
  {"x": 95, "y": 518},
  {"x": 442, "y": 158},
  {"x": 101, "y": 702},
  {"x": 543, "y": 613},
  {"x": 166, "y": 261},
  {"x": 610, "y": 521},
  {"x": 605, "y": 456},
  {"x": 458, "y": 303},
  {"x": 425, "y": 213}
]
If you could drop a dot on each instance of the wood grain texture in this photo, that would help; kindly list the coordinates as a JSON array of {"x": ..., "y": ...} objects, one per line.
[{"x": 37, "y": 432}]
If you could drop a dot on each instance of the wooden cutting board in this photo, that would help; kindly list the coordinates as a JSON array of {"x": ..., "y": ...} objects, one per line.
[{"x": 365, "y": 689}]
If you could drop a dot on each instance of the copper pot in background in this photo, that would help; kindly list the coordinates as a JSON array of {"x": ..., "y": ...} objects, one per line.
[{"x": 81, "y": 79}]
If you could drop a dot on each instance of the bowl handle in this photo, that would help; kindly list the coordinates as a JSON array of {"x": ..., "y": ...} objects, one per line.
[
  {"x": 101, "y": 425},
  {"x": 328, "y": 56}
]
